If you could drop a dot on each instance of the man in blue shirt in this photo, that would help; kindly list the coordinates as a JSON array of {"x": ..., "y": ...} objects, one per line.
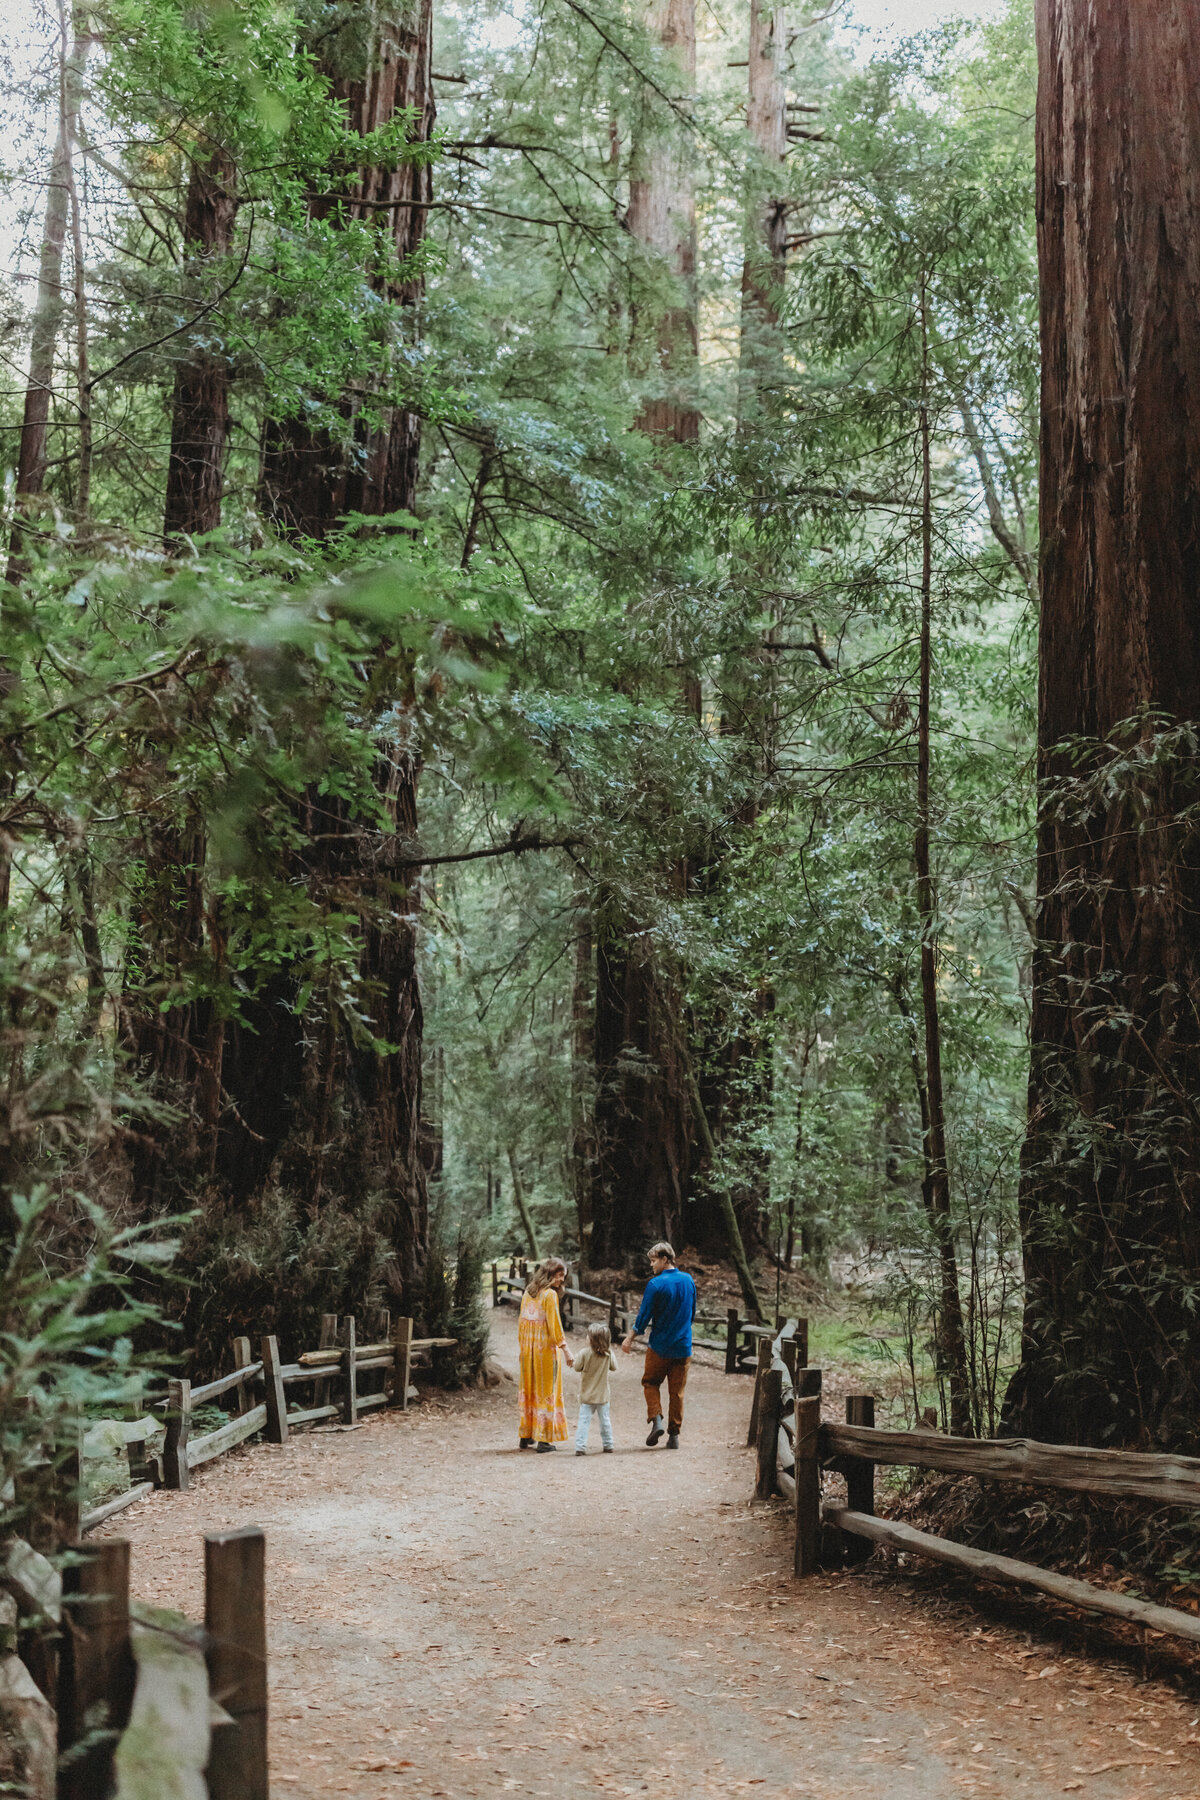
[{"x": 668, "y": 1308}]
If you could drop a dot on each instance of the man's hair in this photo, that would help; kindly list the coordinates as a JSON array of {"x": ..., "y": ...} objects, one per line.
[
  {"x": 664, "y": 1250},
  {"x": 599, "y": 1339}
]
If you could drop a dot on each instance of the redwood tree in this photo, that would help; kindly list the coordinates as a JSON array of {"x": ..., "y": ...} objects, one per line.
[
  {"x": 1111, "y": 1184},
  {"x": 354, "y": 1115},
  {"x": 200, "y": 403},
  {"x": 644, "y": 1121},
  {"x": 310, "y": 478}
]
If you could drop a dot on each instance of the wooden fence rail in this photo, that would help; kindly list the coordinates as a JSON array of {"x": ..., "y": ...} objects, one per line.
[
  {"x": 260, "y": 1389},
  {"x": 336, "y": 1365},
  {"x": 793, "y": 1445}
]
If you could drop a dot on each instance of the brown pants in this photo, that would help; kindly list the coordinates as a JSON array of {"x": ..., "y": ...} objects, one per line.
[{"x": 675, "y": 1371}]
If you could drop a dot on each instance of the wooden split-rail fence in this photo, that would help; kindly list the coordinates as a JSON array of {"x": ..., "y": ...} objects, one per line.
[
  {"x": 141, "y": 1692},
  {"x": 738, "y": 1344},
  {"x": 262, "y": 1390},
  {"x": 794, "y": 1445}
]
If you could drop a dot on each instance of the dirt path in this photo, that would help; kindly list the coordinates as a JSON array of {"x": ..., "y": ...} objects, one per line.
[{"x": 449, "y": 1617}]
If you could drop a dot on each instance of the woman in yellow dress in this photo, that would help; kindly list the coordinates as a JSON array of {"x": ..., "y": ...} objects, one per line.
[{"x": 540, "y": 1336}]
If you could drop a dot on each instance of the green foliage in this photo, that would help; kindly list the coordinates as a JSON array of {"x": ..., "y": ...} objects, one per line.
[
  {"x": 529, "y": 633},
  {"x": 278, "y": 1269},
  {"x": 69, "y": 1309},
  {"x": 452, "y": 1303}
]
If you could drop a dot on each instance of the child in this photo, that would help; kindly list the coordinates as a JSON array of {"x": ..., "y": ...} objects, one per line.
[{"x": 593, "y": 1367}]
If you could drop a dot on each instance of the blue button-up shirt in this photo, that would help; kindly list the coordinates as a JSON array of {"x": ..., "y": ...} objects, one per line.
[{"x": 668, "y": 1307}]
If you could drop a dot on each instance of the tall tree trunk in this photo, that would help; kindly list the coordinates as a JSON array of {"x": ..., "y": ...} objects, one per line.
[
  {"x": 1110, "y": 1194},
  {"x": 178, "y": 1050},
  {"x": 645, "y": 1129},
  {"x": 365, "y": 1136},
  {"x": 764, "y": 254},
  {"x": 951, "y": 1340},
  {"x": 662, "y": 217},
  {"x": 309, "y": 478},
  {"x": 740, "y": 1080},
  {"x": 50, "y": 304},
  {"x": 644, "y": 1118},
  {"x": 200, "y": 404},
  {"x": 583, "y": 1145}
]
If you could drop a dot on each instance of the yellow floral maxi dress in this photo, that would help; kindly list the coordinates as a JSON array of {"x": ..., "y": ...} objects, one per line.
[{"x": 540, "y": 1336}]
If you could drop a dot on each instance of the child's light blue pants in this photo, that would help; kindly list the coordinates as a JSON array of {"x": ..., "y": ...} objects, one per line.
[{"x": 586, "y": 1409}]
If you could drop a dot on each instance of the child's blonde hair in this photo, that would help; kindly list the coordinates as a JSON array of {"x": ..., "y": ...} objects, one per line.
[{"x": 599, "y": 1339}]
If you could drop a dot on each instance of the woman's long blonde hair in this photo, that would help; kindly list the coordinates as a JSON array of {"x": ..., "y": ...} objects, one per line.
[{"x": 543, "y": 1275}]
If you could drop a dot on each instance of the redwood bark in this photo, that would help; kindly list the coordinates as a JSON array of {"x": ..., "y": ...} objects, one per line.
[
  {"x": 1110, "y": 1197},
  {"x": 645, "y": 1150},
  {"x": 662, "y": 217},
  {"x": 644, "y": 1126},
  {"x": 309, "y": 479},
  {"x": 50, "y": 304},
  {"x": 356, "y": 1119},
  {"x": 765, "y": 251},
  {"x": 200, "y": 404}
]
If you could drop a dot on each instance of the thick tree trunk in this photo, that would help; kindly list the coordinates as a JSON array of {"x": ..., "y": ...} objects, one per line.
[
  {"x": 764, "y": 255},
  {"x": 738, "y": 1087},
  {"x": 310, "y": 479},
  {"x": 645, "y": 1126},
  {"x": 662, "y": 217},
  {"x": 50, "y": 304},
  {"x": 178, "y": 1050},
  {"x": 583, "y": 1137},
  {"x": 1110, "y": 1198},
  {"x": 200, "y": 405},
  {"x": 358, "y": 1118}
]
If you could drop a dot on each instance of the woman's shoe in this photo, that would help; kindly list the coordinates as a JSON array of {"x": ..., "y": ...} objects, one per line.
[
  {"x": 524, "y": 1443},
  {"x": 542, "y": 1448}
]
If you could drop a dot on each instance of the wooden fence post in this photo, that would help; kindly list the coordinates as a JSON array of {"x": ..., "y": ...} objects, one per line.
[
  {"x": 808, "y": 1483},
  {"x": 801, "y": 1336},
  {"x": 242, "y": 1360},
  {"x": 612, "y": 1317},
  {"x": 402, "y": 1338},
  {"x": 495, "y": 1286},
  {"x": 179, "y": 1424},
  {"x": 764, "y": 1363},
  {"x": 350, "y": 1372},
  {"x": 770, "y": 1410},
  {"x": 329, "y": 1332},
  {"x": 860, "y": 1475},
  {"x": 236, "y": 1653},
  {"x": 789, "y": 1353},
  {"x": 731, "y": 1340},
  {"x": 860, "y": 1472},
  {"x": 95, "y": 1671},
  {"x": 277, "y": 1425}
]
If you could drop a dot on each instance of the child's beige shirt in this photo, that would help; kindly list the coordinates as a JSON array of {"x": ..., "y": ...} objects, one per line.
[{"x": 593, "y": 1372}]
